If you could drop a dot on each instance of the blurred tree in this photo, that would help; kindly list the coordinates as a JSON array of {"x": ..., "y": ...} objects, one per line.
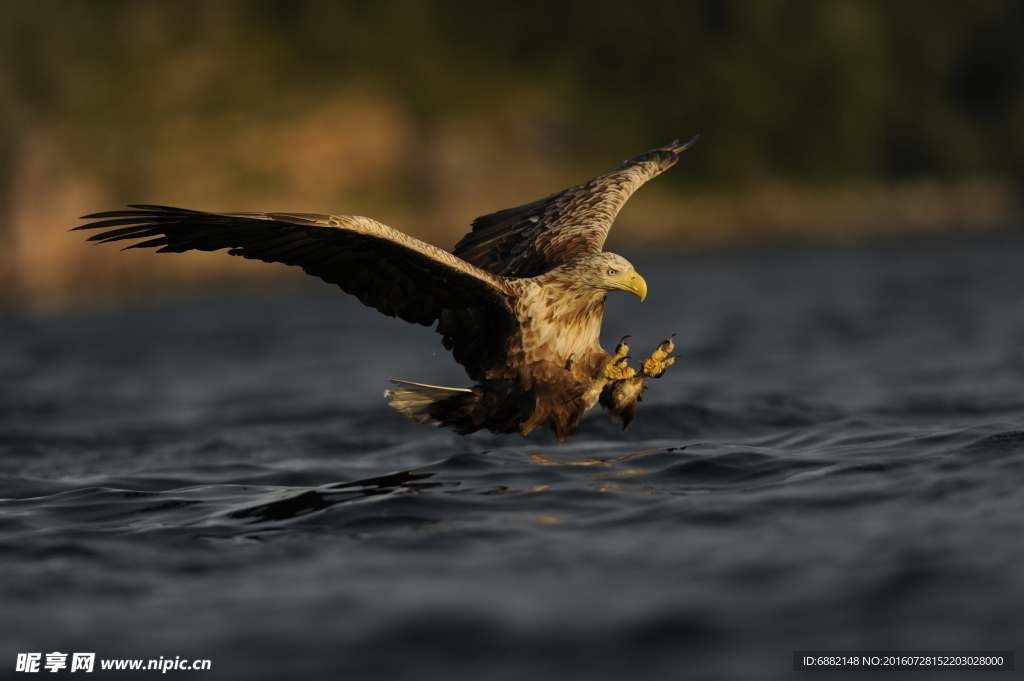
[{"x": 819, "y": 92}]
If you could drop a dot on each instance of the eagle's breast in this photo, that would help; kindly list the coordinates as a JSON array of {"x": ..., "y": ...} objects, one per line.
[{"x": 560, "y": 322}]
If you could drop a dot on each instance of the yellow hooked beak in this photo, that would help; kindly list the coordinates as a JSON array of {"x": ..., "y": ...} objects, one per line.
[{"x": 634, "y": 283}]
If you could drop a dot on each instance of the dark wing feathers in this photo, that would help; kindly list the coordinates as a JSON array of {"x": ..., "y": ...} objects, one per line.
[
  {"x": 465, "y": 292},
  {"x": 531, "y": 239},
  {"x": 384, "y": 268}
]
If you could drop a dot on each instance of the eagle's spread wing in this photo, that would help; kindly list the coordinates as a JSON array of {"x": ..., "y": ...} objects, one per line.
[
  {"x": 393, "y": 272},
  {"x": 574, "y": 223}
]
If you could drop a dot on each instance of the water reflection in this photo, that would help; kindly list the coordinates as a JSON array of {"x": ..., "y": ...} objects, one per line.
[
  {"x": 309, "y": 501},
  {"x": 561, "y": 460}
]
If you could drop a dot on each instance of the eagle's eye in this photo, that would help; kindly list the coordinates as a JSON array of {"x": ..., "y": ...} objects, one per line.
[{"x": 613, "y": 271}]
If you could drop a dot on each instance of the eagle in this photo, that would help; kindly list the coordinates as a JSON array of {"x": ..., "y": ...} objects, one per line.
[{"x": 518, "y": 302}]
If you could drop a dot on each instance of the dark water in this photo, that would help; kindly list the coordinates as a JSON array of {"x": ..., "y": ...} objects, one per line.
[{"x": 836, "y": 462}]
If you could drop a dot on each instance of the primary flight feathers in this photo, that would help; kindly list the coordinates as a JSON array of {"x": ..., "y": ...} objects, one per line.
[
  {"x": 519, "y": 301},
  {"x": 531, "y": 239}
]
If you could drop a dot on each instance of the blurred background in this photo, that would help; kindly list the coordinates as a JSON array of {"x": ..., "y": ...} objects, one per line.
[{"x": 844, "y": 119}]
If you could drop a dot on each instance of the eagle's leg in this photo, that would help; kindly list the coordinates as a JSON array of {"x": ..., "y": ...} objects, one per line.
[
  {"x": 623, "y": 389},
  {"x": 655, "y": 365},
  {"x": 619, "y": 385}
]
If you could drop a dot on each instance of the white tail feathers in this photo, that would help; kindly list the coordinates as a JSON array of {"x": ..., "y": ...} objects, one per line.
[{"x": 414, "y": 400}]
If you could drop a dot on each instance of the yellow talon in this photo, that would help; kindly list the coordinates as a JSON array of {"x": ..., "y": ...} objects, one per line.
[
  {"x": 618, "y": 369},
  {"x": 655, "y": 365}
]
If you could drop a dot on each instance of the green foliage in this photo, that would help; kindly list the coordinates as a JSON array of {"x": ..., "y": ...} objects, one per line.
[{"x": 820, "y": 91}]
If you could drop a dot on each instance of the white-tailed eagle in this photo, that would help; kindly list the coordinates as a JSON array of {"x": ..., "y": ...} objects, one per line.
[{"x": 519, "y": 302}]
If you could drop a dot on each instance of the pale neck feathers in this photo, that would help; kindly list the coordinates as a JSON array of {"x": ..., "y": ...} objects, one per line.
[{"x": 560, "y": 319}]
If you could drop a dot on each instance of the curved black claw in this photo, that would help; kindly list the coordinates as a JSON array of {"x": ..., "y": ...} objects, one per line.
[
  {"x": 665, "y": 345},
  {"x": 622, "y": 347}
]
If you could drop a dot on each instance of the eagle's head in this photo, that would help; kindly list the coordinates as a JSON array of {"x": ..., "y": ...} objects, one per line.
[{"x": 609, "y": 272}]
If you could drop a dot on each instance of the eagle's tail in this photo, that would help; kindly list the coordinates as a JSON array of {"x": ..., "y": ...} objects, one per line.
[{"x": 417, "y": 401}]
